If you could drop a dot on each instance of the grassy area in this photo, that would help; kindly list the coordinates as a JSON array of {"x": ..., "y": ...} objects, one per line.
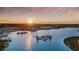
[
  {"x": 4, "y": 44},
  {"x": 72, "y": 42}
]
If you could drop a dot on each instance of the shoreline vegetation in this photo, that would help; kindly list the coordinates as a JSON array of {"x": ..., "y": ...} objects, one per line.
[
  {"x": 35, "y": 27},
  {"x": 7, "y": 28},
  {"x": 72, "y": 42},
  {"x": 4, "y": 44}
]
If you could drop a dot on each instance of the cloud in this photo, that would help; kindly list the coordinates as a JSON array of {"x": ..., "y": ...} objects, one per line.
[{"x": 38, "y": 11}]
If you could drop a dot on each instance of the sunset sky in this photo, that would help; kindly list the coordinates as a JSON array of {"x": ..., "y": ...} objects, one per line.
[{"x": 44, "y": 15}]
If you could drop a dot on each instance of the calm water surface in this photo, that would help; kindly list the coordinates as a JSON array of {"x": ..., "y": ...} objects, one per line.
[{"x": 28, "y": 41}]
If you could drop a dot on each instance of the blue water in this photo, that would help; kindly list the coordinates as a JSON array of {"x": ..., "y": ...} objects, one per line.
[{"x": 28, "y": 42}]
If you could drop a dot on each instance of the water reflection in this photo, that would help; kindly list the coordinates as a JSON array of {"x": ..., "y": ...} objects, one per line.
[{"x": 29, "y": 41}]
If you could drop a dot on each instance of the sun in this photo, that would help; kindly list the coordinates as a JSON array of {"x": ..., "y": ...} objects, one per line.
[{"x": 30, "y": 20}]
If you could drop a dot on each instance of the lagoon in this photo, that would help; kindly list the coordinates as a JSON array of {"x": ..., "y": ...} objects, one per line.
[{"x": 29, "y": 42}]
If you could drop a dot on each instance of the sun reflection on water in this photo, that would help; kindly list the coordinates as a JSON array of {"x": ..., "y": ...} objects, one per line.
[{"x": 29, "y": 41}]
